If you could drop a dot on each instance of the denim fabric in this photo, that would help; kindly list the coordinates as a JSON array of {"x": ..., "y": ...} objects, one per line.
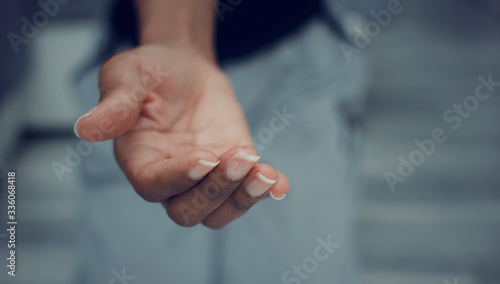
[{"x": 303, "y": 102}]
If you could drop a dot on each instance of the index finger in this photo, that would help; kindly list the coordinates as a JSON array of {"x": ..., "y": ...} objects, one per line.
[{"x": 156, "y": 177}]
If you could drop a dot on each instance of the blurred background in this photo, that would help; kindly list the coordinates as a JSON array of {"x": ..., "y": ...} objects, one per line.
[{"x": 442, "y": 225}]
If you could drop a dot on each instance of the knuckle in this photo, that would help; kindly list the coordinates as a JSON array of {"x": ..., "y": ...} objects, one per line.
[
  {"x": 183, "y": 223},
  {"x": 143, "y": 186},
  {"x": 180, "y": 217},
  {"x": 214, "y": 192},
  {"x": 119, "y": 61},
  {"x": 145, "y": 194},
  {"x": 212, "y": 225},
  {"x": 240, "y": 205},
  {"x": 106, "y": 67}
]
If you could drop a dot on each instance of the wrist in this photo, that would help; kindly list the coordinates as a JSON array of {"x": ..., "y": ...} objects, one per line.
[
  {"x": 185, "y": 46},
  {"x": 183, "y": 23},
  {"x": 181, "y": 42}
]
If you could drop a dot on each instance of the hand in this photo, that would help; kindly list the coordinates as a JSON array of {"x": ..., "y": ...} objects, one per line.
[{"x": 180, "y": 135}]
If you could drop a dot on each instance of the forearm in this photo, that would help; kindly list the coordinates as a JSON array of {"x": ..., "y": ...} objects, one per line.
[{"x": 177, "y": 21}]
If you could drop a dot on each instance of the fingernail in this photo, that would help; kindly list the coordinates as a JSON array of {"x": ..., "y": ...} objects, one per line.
[
  {"x": 240, "y": 164},
  {"x": 277, "y": 197},
  {"x": 259, "y": 185},
  {"x": 89, "y": 113},
  {"x": 201, "y": 169}
]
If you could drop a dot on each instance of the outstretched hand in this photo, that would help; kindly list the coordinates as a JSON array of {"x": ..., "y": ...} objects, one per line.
[{"x": 180, "y": 135}]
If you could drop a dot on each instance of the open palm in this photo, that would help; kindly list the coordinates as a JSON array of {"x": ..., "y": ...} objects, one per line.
[{"x": 181, "y": 137}]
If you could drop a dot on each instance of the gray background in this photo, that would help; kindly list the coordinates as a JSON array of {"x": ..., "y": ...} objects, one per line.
[{"x": 442, "y": 223}]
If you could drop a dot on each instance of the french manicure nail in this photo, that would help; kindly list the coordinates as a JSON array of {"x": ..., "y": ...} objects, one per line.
[
  {"x": 89, "y": 113},
  {"x": 201, "y": 169},
  {"x": 240, "y": 164},
  {"x": 277, "y": 197},
  {"x": 259, "y": 185}
]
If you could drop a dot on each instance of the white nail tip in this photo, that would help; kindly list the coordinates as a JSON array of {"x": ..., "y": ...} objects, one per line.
[
  {"x": 256, "y": 189},
  {"x": 75, "y": 128},
  {"x": 208, "y": 164},
  {"x": 201, "y": 169},
  {"x": 277, "y": 198},
  {"x": 265, "y": 179},
  {"x": 245, "y": 156}
]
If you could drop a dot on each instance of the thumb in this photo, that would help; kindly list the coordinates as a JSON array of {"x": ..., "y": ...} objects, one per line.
[
  {"x": 116, "y": 114},
  {"x": 122, "y": 96}
]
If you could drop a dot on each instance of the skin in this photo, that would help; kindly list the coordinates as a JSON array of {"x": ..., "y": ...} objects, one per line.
[{"x": 168, "y": 105}]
